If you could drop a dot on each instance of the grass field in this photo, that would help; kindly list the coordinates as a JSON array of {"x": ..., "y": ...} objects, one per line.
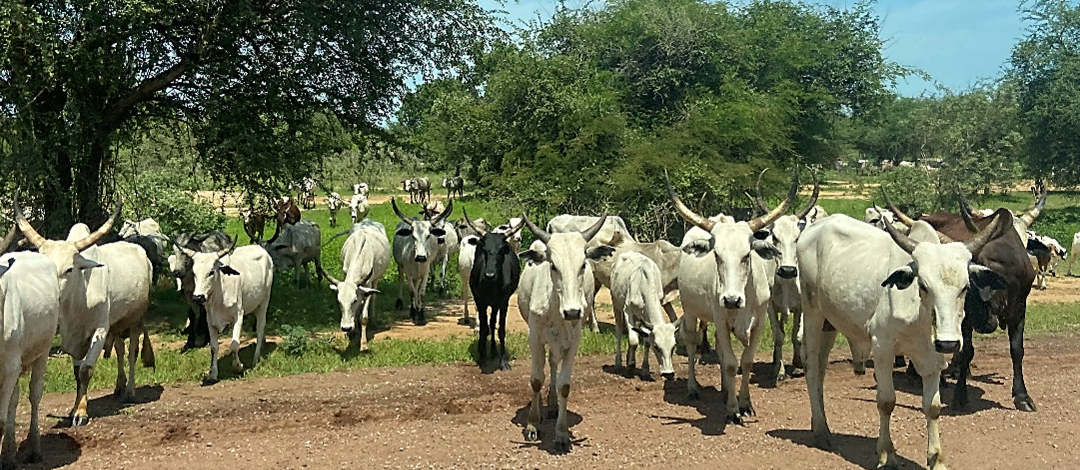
[{"x": 304, "y": 318}]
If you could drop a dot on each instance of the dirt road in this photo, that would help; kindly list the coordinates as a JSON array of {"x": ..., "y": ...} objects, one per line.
[{"x": 454, "y": 417}]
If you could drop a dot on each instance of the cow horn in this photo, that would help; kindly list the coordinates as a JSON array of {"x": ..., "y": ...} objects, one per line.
[
  {"x": 763, "y": 221},
  {"x": 540, "y": 234},
  {"x": 1030, "y": 214},
  {"x": 27, "y": 230},
  {"x": 944, "y": 238},
  {"x": 515, "y": 229},
  {"x": 8, "y": 239},
  {"x": 470, "y": 224},
  {"x": 902, "y": 217},
  {"x": 965, "y": 213},
  {"x": 93, "y": 238},
  {"x": 230, "y": 248},
  {"x": 323, "y": 273},
  {"x": 393, "y": 203},
  {"x": 965, "y": 206},
  {"x": 186, "y": 251},
  {"x": 758, "y": 200},
  {"x": 591, "y": 232},
  {"x": 905, "y": 242},
  {"x": 690, "y": 216},
  {"x": 813, "y": 200},
  {"x": 997, "y": 227},
  {"x": 446, "y": 213}
]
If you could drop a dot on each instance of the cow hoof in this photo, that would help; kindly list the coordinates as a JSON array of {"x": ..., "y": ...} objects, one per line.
[
  {"x": 207, "y": 381},
  {"x": 80, "y": 420},
  {"x": 562, "y": 444},
  {"x": 33, "y": 457},
  {"x": 531, "y": 435},
  {"x": 781, "y": 375},
  {"x": 747, "y": 410},
  {"x": 735, "y": 418},
  {"x": 504, "y": 365},
  {"x": 1024, "y": 403},
  {"x": 645, "y": 376},
  {"x": 630, "y": 371}
]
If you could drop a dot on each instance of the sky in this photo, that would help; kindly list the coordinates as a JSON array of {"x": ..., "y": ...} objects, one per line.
[{"x": 957, "y": 42}]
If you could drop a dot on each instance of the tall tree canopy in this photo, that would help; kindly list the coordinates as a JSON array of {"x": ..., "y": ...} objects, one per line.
[
  {"x": 267, "y": 84},
  {"x": 1046, "y": 68}
]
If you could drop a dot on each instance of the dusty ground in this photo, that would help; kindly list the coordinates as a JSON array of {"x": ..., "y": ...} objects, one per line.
[{"x": 454, "y": 417}]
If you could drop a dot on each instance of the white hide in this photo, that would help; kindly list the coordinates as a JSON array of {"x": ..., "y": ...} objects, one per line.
[
  {"x": 365, "y": 256},
  {"x": 637, "y": 295}
]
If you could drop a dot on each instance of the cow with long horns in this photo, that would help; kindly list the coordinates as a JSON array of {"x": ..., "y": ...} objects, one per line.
[
  {"x": 104, "y": 294},
  {"x": 1007, "y": 256},
  {"x": 415, "y": 246},
  {"x": 553, "y": 298},
  {"x": 873, "y": 302},
  {"x": 724, "y": 278},
  {"x": 231, "y": 283},
  {"x": 493, "y": 279}
]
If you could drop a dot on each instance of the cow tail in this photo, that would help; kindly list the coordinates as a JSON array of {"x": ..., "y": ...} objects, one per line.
[{"x": 147, "y": 350}]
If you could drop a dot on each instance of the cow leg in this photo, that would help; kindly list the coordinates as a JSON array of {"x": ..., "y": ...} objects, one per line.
[
  {"x": 671, "y": 314},
  {"x": 418, "y": 300},
  {"x": 1021, "y": 400},
  {"x": 632, "y": 341},
  {"x": 860, "y": 353},
  {"x": 398, "y": 305},
  {"x": 797, "y": 341},
  {"x": 84, "y": 371},
  {"x": 553, "y": 396},
  {"x": 746, "y": 407},
  {"x": 493, "y": 323},
  {"x": 691, "y": 337},
  {"x": 465, "y": 320},
  {"x": 9, "y": 398},
  {"x": 728, "y": 365},
  {"x": 705, "y": 348},
  {"x": 212, "y": 377},
  {"x": 485, "y": 329},
  {"x": 620, "y": 326},
  {"x": 932, "y": 365},
  {"x": 37, "y": 389},
  {"x": 234, "y": 345},
  {"x": 504, "y": 361},
  {"x": 121, "y": 376},
  {"x": 536, "y": 381},
  {"x": 260, "y": 332},
  {"x": 133, "y": 356},
  {"x": 818, "y": 345},
  {"x": 363, "y": 322},
  {"x": 963, "y": 365},
  {"x": 645, "y": 373},
  {"x": 562, "y": 429},
  {"x": 776, "y": 320},
  {"x": 886, "y": 401}
]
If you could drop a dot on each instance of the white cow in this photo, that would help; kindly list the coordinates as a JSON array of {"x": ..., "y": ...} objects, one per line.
[
  {"x": 1075, "y": 246},
  {"x": 857, "y": 279},
  {"x": 447, "y": 246},
  {"x": 104, "y": 294},
  {"x": 361, "y": 189},
  {"x": 515, "y": 239},
  {"x": 612, "y": 233},
  {"x": 231, "y": 283},
  {"x": 466, "y": 256},
  {"x": 359, "y": 207},
  {"x": 723, "y": 278},
  {"x": 416, "y": 244},
  {"x": 333, "y": 204},
  {"x": 553, "y": 295},
  {"x": 637, "y": 295},
  {"x": 295, "y": 246},
  {"x": 364, "y": 257},
  {"x": 147, "y": 226},
  {"x": 30, "y": 305}
]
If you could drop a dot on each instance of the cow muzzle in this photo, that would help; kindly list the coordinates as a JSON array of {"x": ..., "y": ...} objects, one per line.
[
  {"x": 199, "y": 298},
  {"x": 347, "y": 329},
  {"x": 489, "y": 275},
  {"x": 732, "y": 301},
  {"x": 787, "y": 272},
  {"x": 946, "y": 347},
  {"x": 421, "y": 259},
  {"x": 667, "y": 375},
  {"x": 572, "y": 314}
]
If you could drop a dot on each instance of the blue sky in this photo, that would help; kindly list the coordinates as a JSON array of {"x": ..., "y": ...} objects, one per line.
[{"x": 957, "y": 42}]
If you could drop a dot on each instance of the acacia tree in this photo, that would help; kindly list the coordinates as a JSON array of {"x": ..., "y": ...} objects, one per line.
[
  {"x": 266, "y": 83},
  {"x": 1046, "y": 69}
]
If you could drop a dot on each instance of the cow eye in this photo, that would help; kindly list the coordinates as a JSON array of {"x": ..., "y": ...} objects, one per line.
[
  {"x": 69, "y": 270},
  {"x": 583, "y": 268}
]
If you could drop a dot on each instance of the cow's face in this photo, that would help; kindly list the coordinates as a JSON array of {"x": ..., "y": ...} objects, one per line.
[
  {"x": 662, "y": 343},
  {"x": 352, "y": 297},
  {"x": 425, "y": 239},
  {"x": 730, "y": 246},
  {"x": 492, "y": 254},
  {"x": 566, "y": 255},
  {"x": 943, "y": 274},
  {"x": 179, "y": 264},
  {"x": 785, "y": 234},
  {"x": 207, "y": 269}
]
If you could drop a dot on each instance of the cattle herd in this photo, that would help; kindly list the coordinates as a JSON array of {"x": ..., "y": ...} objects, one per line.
[{"x": 894, "y": 286}]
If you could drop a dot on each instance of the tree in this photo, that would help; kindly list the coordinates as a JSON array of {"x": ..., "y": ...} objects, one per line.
[
  {"x": 1046, "y": 68},
  {"x": 264, "y": 83}
]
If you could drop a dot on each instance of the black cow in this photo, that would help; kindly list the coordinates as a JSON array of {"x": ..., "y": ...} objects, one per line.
[
  {"x": 1006, "y": 255},
  {"x": 494, "y": 278}
]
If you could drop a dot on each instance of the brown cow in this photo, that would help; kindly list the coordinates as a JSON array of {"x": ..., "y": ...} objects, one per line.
[{"x": 1006, "y": 255}]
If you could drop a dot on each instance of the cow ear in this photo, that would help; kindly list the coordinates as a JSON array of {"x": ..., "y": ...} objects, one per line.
[
  {"x": 901, "y": 278},
  {"x": 985, "y": 278},
  {"x": 83, "y": 263},
  {"x": 698, "y": 247},
  {"x": 226, "y": 269},
  {"x": 600, "y": 253},
  {"x": 366, "y": 291},
  {"x": 534, "y": 257},
  {"x": 4, "y": 269},
  {"x": 473, "y": 241},
  {"x": 765, "y": 249},
  {"x": 438, "y": 232},
  {"x": 405, "y": 232},
  {"x": 644, "y": 332}
]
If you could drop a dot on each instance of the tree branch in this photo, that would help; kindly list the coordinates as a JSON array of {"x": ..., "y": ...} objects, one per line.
[{"x": 120, "y": 111}]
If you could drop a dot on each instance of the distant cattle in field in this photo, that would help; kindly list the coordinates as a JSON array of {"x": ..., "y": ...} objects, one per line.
[
  {"x": 333, "y": 205},
  {"x": 294, "y": 246},
  {"x": 455, "y": 186}
]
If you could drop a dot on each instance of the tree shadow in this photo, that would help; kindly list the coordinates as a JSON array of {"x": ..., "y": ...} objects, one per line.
[
  {"x": 546, "y": 428},
  {"x": 858, "y": 450},
  {"x": 710, "y": 404},
  {"x": 58, "y": 450},
  {"x": 110, "y": 405}
]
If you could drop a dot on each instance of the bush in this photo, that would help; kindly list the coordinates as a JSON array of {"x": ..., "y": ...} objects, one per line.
[
  {"x": 911, "y": 189},
  {"x": 296, "y": 341},
  {"x": 158, "y": 195}
]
